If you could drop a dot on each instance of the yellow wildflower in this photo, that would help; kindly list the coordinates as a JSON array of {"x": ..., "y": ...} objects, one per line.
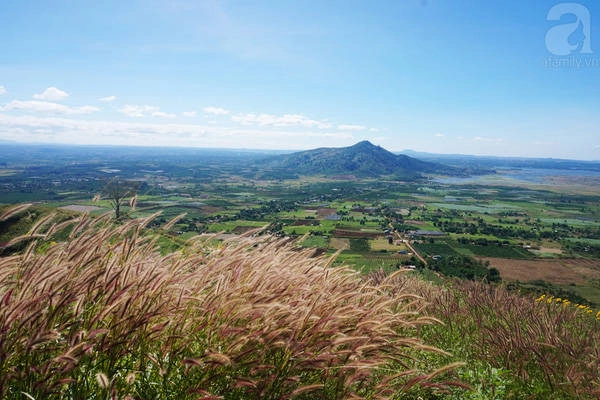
[{"x": 540, "y": 298}]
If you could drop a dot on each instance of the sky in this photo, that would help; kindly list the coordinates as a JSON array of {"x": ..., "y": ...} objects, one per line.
[{"x": 504, "y": 78}]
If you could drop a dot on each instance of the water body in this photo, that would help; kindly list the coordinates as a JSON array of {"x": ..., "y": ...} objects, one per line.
[
  {"x": 541, "y": 175},
  {"x": 531, "y": 175}
]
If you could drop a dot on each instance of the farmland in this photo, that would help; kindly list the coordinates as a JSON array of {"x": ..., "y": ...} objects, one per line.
[{"x": 532, "y": 231}]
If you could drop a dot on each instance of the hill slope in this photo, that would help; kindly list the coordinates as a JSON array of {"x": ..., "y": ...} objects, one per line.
[{"x": 362, "y": 160}]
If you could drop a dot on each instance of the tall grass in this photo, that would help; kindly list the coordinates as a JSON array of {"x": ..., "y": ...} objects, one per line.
[
  {"x": 103, "y": 315},
  {"x": 542, "y": 350}
]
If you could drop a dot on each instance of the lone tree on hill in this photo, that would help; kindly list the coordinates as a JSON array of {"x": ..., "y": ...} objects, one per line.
[{"x": 117, "y": 190}]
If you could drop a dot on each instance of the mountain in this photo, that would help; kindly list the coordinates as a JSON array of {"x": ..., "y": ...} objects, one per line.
[{"x": 361, "y": 160}]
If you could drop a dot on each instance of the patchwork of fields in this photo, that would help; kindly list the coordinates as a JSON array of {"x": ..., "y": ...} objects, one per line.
[{"x": 536, "y": 234}]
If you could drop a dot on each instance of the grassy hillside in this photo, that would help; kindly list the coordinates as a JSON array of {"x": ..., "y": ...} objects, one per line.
[{"x": 103, "y": 314}]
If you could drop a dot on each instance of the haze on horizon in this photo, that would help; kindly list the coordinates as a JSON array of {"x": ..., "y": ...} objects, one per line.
[{"x": 502, "y": 78}]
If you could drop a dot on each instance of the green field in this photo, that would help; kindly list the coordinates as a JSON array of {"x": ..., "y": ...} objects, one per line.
[
  {"x": 432, "y": 249},
  {"x": 493, "y": 250},
  {"x": 315, "y": 241}
]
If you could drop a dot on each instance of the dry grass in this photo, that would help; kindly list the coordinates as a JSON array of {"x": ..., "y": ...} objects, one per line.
[
  {"x": 12, "y": 211},
  {"x": 558, "y": 271},
  {"x": 104, "y": 315}
]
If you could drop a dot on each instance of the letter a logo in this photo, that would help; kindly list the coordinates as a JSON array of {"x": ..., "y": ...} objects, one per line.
[{"x": 569, "y": 37}]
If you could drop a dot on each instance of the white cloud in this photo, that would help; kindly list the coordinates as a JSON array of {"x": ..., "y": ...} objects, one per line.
[
  {"x": 51, "y": 94},
  {"x": 2, "y": 90},
  {"x": 348, "y": 127},
  {"x": 137, "y": 111},
  {"x": 46, "y": 106},
  {"x": 279, "y": 121},
  {"x": 108, "y": 98},
  {"x": 189, "y": 113},
  {"x": 440, "y": 135},
  {"x": 161, "y": 114},
  {"x": 373, "y": 130},
  {"x": 29, "y": 128},
  {"x": 215, "y": 110}
]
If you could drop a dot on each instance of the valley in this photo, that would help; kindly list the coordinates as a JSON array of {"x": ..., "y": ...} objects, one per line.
[{"x": 539, "y": 235}]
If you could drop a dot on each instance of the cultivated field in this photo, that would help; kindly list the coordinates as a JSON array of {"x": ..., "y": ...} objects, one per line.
[{"x": 558, "y": 271}]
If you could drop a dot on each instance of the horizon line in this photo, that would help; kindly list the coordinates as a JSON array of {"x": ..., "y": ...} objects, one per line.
[{"x": 250, "y": 149}]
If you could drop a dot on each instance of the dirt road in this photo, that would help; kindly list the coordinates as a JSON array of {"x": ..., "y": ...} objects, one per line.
[{"x": 407, "y": 243}]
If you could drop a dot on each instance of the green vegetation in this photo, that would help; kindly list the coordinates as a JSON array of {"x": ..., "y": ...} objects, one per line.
[
  {"x": 437, "y": 248},
  {"x": 478, "y": 247},
  {"x": 495, "y": 250},
  {"x": 314, "y": 241},
  {"x": 359, "y": 245},
  {"x": 466, "y": 268}
]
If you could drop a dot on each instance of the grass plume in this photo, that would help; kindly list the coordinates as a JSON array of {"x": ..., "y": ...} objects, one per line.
[{"x": 104, "y": 315}]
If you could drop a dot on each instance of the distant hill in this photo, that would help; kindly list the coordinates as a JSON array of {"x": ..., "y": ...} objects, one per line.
[
  {"x": 493, "y": 162},
  {"x": 361, "y": 160}
]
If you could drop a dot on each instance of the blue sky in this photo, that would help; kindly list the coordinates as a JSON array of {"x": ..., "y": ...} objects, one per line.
[{"x": 444, "y": 76}]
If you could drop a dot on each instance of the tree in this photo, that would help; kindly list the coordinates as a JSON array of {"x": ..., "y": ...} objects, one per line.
[{"x": 117, "y": 190}]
